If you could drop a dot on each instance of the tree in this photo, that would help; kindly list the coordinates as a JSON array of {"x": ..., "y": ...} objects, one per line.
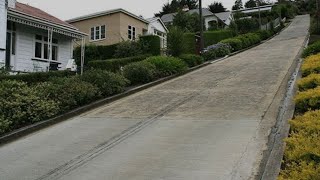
[
  {"x": 217, "y": 7},
  {"x": 251, "y": 4},
  {"x": 175, "y": 5},
  {"x": 187, "y": 22},
  {"x": 237, "y": 5},
  {"x": 175, "y": 42}
]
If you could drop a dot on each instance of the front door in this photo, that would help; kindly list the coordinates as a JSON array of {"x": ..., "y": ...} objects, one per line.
[{"x": 8, "y": 51}]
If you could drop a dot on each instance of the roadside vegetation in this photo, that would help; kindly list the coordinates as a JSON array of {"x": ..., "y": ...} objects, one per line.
[{"x": 302, "y": 155}]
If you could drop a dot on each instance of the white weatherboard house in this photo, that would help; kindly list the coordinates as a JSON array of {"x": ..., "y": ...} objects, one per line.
[
  {"x": 158, "y": 28},
  {"x": 32, "y": 40}
]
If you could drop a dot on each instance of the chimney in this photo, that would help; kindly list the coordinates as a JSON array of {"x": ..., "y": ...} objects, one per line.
[{"x": 185, "y": 8}]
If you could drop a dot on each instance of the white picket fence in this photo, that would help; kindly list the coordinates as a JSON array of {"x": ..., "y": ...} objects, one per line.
[{"x": 276, "y": 23}]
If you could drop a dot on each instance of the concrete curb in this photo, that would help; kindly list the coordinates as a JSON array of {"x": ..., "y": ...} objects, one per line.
[
  {"x": 272, "y": 158},
  {"x": 15, "y": 135}
]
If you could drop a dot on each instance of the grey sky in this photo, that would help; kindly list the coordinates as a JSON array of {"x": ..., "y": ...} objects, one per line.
[{"x": 66, "y": 9}]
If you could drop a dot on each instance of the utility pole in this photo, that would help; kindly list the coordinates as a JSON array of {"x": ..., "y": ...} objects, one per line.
[
  {"x": 201, "y": 26},
  {"x": 260, "y": 24}
]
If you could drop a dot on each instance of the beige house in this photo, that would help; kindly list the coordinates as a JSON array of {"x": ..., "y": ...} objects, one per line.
[{"x": 111, "y": 27}]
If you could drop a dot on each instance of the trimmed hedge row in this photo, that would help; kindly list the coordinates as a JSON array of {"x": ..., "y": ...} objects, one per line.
[
  {"x": 311, "y": 65},
  {"x": 312, "y": 49},
  {"x": 153, "y": 44},
  {"x": 302, "y": 154},
  {"x": 114, "y": 65},
  {"x": 37, "y": 77},
  {"x": 213, "y": 37},
  {"x": 192, "y": 60},
  {"x": 22, "y": 104}
]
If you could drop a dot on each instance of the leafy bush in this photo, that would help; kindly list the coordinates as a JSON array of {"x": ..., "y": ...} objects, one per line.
[
  {"x": 21, "y": 105},
  {"x": 152, "y": 44},
  {"x": 37, "y": 77},
  {"x": 175, "y": 42},
  {"x": 93, "y": 52},
  {"x": 191, "y": 60},
  {"x": 167, "y": 66},
  {"x": 311, "y": 50},
  {"x": 215, "y": 51},
  {"x": 4, "y": 125},
  {"x": 140, "y": 72},
  {"x": 309, "y": 123},
  {"x": 236, "y": 44},
  {"x": 108, "y": 83},
  {"x": 310, "y": 82},
  {"x": 189, "y": 40},
  {"x": 70, "y": 93},
  {"x": 308, "y": 100},
  {"x": 301, "y": 171},
  {"x": 245, "y": 41},
  {"x": 114, "y": 65},
  {"x": 213, "y": 37},
  {"x": 311, "y": 65},
  {"x": 247, "y": 25},
  {"x": 129, "y": 49},
  {"x": 264, "y": 34},
  {"x": 253, "y": 38}
]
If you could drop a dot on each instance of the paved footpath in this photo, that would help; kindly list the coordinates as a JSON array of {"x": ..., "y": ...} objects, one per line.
[{"x": 211, "y": 124}]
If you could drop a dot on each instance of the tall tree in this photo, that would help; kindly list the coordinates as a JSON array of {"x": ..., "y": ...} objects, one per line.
[
  {"x": 237, "y": 5},
  {"x": 217, "y": 7},
  {"x": 175, "y": 5},
  {"x": 187, "y": 22},
  {"x": 251, "y": 4}
]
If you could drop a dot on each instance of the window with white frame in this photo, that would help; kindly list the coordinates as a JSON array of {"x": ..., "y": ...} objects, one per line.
[
  {"x": 42, "y": 48},
  {"x": 98, "y": 33},
  {"x": 131, "y": 33}
]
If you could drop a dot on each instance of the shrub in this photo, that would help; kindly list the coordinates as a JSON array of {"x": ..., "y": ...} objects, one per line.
[
  {"x": 311, "y": 65},
  {"x": 70, "y": 92},
  {"x": 108, "y": 83},
  {"x": 189, "y": 40},
  {"x": 191, "y": 60},
  {"x": 152, "y": 44},
  {"x": 215, "y": 51},
  {"x": 21, "y": 105},
  {"x": 247, "y": 25},
  {"x": 236, "y": 44},
  {"x": 253, "y": 38},
  {"x": 301, "y": 171},
  {"x": 213, "y": 37},
  {"x": 114, "y": 65},
  {"x": 308, "y": 100},
  {"x": 167, "y": 66},
  {"x": 310, "y": 82},
  {"x": 4, "y": 125},
  {"x": 128, "y": 49},
  {"x": 37, "y": 77},
  {"x": 93, "y": 52},
  {"x": 175, "y": 42},
  {"x": 139, "y": 72},
  {"x": 309, "y": 123},
  {"x": 312, "y": 49},
  {"x": 264, "y": 34}
]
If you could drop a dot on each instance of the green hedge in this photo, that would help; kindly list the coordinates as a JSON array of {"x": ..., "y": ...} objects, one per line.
[
  {"x": 310, "y": 82},
  {"x": 191, "y": 59},
  {"x": 236, "y": 44},
  {"x": 166, "y": 66},
  {"x": 93, "y": 52},
  {"x": 37, "y": 77},
  {"x": 308, "y": 100},
  {"x": 139, "y": 72},
  {"x": 213, "y": 37},
  {"x": 312, "y": 49},
  {"x": 153, "y": 44},
  {"x": 247, "y": 25},
  {"x": 114, "y": 65},
  {"x": 189, "y": 40}
]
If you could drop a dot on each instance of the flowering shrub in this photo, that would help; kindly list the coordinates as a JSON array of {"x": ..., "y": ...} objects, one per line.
[{"x": 216, "y": 51}]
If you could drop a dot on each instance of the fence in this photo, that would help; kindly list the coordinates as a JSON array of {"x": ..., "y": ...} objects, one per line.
[{"x": 276, "y": 23}]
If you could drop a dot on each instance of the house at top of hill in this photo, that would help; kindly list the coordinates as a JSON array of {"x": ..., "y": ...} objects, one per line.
[
  {"x": 32, "y": 40},
  {"x": 210, "y": 19}
]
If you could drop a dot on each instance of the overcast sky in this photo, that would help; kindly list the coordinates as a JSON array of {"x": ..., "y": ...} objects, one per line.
[{"x": 67, "y": 9}]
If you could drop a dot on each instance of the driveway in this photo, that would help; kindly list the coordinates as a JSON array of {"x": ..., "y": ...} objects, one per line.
[{"x": 212, "y": 124}]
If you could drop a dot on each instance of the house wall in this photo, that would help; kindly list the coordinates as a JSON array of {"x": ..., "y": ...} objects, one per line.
[
  {"x": 112, "y": 23},
  {"x": 25, "y": 50},
  {"x": 126, "y": 20},
  {"x": 3, "y": 29},
  {"x": 209, "y": 19}
]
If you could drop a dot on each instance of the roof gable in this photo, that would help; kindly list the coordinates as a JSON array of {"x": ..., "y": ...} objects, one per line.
[{"x": 39, "y": 14}]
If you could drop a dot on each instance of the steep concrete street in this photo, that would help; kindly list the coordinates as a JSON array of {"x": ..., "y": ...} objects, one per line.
[{"x": 212, "y": 124}]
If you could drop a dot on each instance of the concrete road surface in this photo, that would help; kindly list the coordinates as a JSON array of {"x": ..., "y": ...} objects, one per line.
[{"x": 211, "y": 124}]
